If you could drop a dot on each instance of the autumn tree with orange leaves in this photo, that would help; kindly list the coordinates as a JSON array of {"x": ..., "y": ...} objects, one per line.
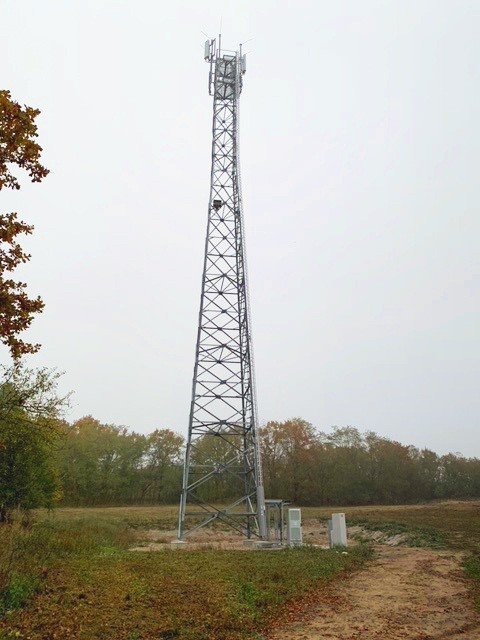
[{"x": 18, "y": 148}]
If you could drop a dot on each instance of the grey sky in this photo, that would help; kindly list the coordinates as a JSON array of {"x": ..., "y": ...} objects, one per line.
[{"x": 360, "y": 154}]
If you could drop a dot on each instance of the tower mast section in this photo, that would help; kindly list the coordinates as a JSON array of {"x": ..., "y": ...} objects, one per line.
[{"x": 222, "y": 479}]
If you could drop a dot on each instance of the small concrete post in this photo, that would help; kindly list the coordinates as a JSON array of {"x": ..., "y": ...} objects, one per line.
[{"x": 337, "y": 530}]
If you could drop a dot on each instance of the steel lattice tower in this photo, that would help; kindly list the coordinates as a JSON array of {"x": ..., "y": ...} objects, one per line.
[{"x": 223, "y": 442}]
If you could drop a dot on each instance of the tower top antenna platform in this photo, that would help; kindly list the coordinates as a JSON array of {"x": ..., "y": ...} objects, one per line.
[{"x": 213, "y": 53}]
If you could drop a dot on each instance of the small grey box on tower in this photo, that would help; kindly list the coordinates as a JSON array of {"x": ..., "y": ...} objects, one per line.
[{"x": 294, "y": 527}]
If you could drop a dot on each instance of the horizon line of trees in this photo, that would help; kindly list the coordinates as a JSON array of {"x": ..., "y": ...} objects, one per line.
[
  {"x": 47, "y": 461},
  {"x": 103, "y": 464}
]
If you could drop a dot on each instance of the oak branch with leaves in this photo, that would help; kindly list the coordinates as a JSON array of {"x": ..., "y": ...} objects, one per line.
[{"x": 18, "y": 147}]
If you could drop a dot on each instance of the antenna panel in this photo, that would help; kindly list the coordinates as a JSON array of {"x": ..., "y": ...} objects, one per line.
[{"x": 243, "y": 63}]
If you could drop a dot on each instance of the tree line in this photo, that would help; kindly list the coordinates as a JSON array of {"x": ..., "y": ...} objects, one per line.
[
  {"x": 47, "y": 461},
  {"x": 105, "y": 464}
]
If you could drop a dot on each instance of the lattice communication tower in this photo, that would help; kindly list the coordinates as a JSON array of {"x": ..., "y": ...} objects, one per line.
[{"x": 223, "y": 444}]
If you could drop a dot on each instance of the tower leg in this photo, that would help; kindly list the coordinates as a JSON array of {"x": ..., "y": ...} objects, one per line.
[{"x": 261, "y": 515}]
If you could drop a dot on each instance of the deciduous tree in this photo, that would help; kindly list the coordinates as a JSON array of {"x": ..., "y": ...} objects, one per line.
[
  {"x": 18, "y": 148},
  {"x": 30, "y": 428}
]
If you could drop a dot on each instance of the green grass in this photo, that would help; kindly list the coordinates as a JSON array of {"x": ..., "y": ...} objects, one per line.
[
  {"x": 96, "y": 588},
  {"x": 20, "y": 588},
  {"x": 472, "y": 569},
  {"x": 26, "y": 554},
  {"x": 156, "y": 517},
  {"x": 413, "y": 535},
  {"x": 455, "y": 523},
  {"x": 75, "y": 577}
]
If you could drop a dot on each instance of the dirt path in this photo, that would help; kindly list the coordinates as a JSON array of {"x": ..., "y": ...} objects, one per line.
[{"x": 405, "y": 594}]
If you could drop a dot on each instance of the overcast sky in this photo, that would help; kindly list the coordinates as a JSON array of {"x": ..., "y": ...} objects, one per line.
[{"x": 360, "y": 154}]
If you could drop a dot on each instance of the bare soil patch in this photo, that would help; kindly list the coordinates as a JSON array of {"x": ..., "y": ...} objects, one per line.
[
  {"x": 162, "y": 539},
  {"x": 404, "y": 594},
  {"x": 165, "y": 539},
  {"x": 313, "y": 533}
]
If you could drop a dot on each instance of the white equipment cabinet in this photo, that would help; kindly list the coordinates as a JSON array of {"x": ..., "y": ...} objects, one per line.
[{"x": 294, "y": 527}]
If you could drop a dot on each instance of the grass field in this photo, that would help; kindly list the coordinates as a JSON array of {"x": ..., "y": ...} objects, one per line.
[
  {"x": 90, "y": 586},
  {"x": 75, "y": 577},
  {"x": 454, "y": 523}
]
